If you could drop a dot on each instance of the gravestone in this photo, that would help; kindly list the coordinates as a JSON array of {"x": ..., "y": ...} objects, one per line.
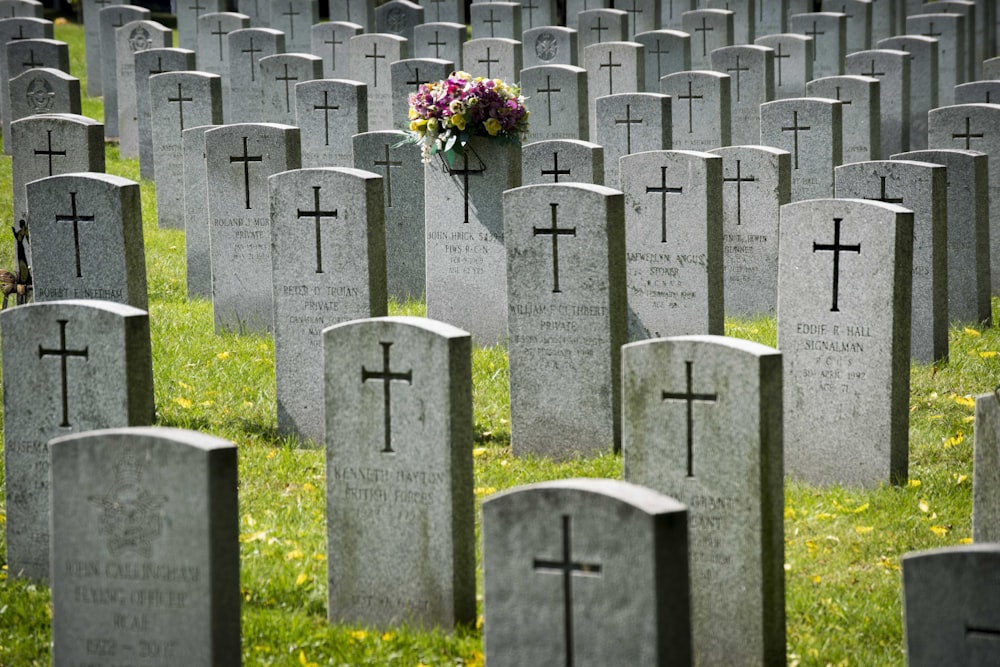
[
  {"x": 702, "y": 423},
  {"x": 21, "y": 8},
  {"x": 145, "y": 547},
  {"x": 129, "y": 39},
  {"x": 27, "y": 54},
  {"x": 179, "y": 100},
  {"x": 666, "y": 52},
  {"x": 80, "y": 365},
  {"x": 558, "y": 102},
  {"x": 398, "y": 17},
  {"x": 710, "y": 29},
  {"x": 439, "y": 40},
  {"x": 949, "y": 30},
  {"x": 295, "y": 18},
  {"x": 443, "y": 11},
  {"x": 150, "y": 63},
  {"x": 52, "y": 144},
  {"x": 213, "y": 45},
  {"x": 567, "y": 317},
  {"x": 86, "y": 239},
  {"x": 673, "y": 243},
  {"x": 402, "y": 173},
  {"x": 279, "y": 75},
  {"x": 371, "y": 55},
  {"x": 575, "y": 8},
  {"x": 239, "y": 159},
  {"x": 751, "y": 72},
  {"x": 974, "y": 30},
  {"x": 829, "y": 34},
  {"x": 495, "y": 20},
  {"x": 399, "y": 495},
  {"x": 15, "y": 30},
  {"x": 332, "y": 42},
  {"x": 328, "y": 257},
  {"x": 672, "y": 11},
  {"x": 631, "y": 123},
  {"x": 948, "y": 605},
  {"x": 792, "y": 63},
  {"x": 41, "y": 91},
  {"x": 407, "y": 77},
  {"x": 197, "y": 236},
  {"x": 743, "y": 18},
  {"x": 643, "y": 15},
  {"x": 463, "y": 214},
  {"x": 259, "y": 12},
  {"x": 92, "y": 42},
  {"x": 621, "y": 593},
  {"x": 844, "y": 278},
  {"x": 991, "y": 68},
  {"x": 978, "y": 92},
  {"x": 188, "y": 14},
  {"x": 612, "y": 68},
  {"x": 245, "y": 103},
  {"x": 562, "y": 161},
  {"x": 756, "y": 183},
  {"x": 493, "y": 58},
  {"x": 857, "y": 23},
  {"x": 968, "y": 231},
  {"x": 549, "y": 45},
  {"x": 600, "y": 25},
  {"x": 921, "y": 187},
  {"x": 361, "y": 12},
  {"x": 923, "y": 81},
  {"x": 860, "y": 120},
  {"x": 892, "y": 69},
  {"x": 974, "y": 127},
  {"x": 329, "y": 112},
  {"x": 704, "y": 93},
  {"x": 810, "y": 128},
  {"x": 985, "y": 524},
  {"x": 538, "y": 14}
]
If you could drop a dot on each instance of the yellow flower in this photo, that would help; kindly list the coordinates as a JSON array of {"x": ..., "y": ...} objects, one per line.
[
  {"x": 301, "y": 579},
  {"x": 413, "y": 113},
  {"x": 458, "y": 120},
  {"x": 418, "y": 125},
  {"x": 493, "y": 126},
  {"x": 222, "y": 356},
  {"x": 432, "y": 124},
  {"x": 183, "y": 402}
]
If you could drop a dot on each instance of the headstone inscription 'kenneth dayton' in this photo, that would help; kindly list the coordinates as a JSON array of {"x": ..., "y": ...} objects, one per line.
[
  {"x": 71, "y": 366},
  {"x": 586, "y": 571},
  {"x": 145, "y": 549},
  {"x": 400, "y": 511}
]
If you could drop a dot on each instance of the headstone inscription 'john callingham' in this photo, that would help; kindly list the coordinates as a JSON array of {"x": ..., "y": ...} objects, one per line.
[
  {"x": 586, "y": 571},
  {"x": 70, "y": 366},
  {"x": 145, "y": 549},
  {"x": 400, "y": 522}
]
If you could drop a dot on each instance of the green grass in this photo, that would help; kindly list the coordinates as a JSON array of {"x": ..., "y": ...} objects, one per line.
[{"x": 842, "y": 547}]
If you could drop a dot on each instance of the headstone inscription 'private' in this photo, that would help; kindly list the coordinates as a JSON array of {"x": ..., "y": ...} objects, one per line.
[
  {"x": 245, "y": 103},
  {"x": 331, "y": 41},
  {"x": 673, "y": 243},
  {"x": 179, "y": 100},
  {"x": 239, "y": 160},
  {"x": 279, "y": 75},
  {"x": 631, "y": 123},
  {"x": 86, "y": 239},
  {"x": 463, "y": 214},
  {"x": 968, "y": 231},
  {"x": 329, "y": 112},
  {"x": 921, "y": 187},
  {"x": 861, "y": 130},
  {"x": 149, "y": 63},
  {"x": 371, "y": 55},
  {"x": 562, "y": 161},
  {"x": 811, "y": 129},
  {"x": 402, "y": 173},
  {"x": 558, "y": 95},
  {"x": 756, "y": 183},
  {"x": 844, "y": 278},
  {"x": 892, "y": 69},
  {"x": 793, "y": 65},
  {"x": 974, "y": 127},
  {"x": 567, "y": 317},
  {"x": 129, "y": 39},
  {"x": 923, "y": 81},
  {"x": 197, "y": 235},
  {"x": 949, "y": 605},
  {"x": 603, "y": 567},
  {"x": 145, "y": 548},
  {"x": 72, "y": 366},
  {"x": 399, "y": 476},
  {"x": 52, "y": 144},
  {"x": 328, "y": 243},
  {"x": 986, "y": 468},
  {"x": 751, "y": 72},
  {"x": 666, "y": 52},
  {"x": 702, "y": 423},
  {"x": 705, "y": 93}
]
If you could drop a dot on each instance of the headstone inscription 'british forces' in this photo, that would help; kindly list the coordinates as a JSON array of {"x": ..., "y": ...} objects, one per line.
[
  {"x": 702, "y": 423},
  {"x": 601, "y": 564},
  {"x": 567, "y": 316},
  {"x": 400, "y": 517},
  {"x": 328, "y": 242},
  {"x": 145, "y": 548},
  {"x": 844, "y": 278},
  {"x": 71, "y": 366}
]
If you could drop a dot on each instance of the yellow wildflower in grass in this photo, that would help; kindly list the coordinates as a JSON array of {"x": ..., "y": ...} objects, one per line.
[
  {"x": 913, "y": 483},
  {"x": 304, "y": 662},
  {"x": 359, "y": 635},
  {"x": 301, "y": 579},
  {"x": 971, "y": 332},
  {"x": 863, "y": 530},
  {"x": 478, "y": 451},
  {"x": 388, "y": 636},
  {"x": 989, "y": 354},
  {"x": 960, "y": 479},
  {"x": 816, "y": 579},
  {"x": 924, "y": 506},
  {"x": 222, "y": 356},
  {"x": 965, "y": 401},
  {"x": 965, "y": 540},
  {"x": 954, "y": 440},
  {"x": 940, "y": 531},
  {"x": 484, "y": 491},
  {"x": 475, "y": 660},
  {"x": 183, "y": 402}
]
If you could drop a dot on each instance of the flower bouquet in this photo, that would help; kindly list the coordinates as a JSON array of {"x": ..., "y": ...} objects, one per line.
[{"x": 445, "y": 114}]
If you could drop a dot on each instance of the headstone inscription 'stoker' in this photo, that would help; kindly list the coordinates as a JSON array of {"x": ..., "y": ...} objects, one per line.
[
  {"x": 400, "y": 509},
  {"x": 601, "y": 564},
  {"x": 844, "y": 279},
  {"x": 145, "y": 548},
  {"x": 71, "y": 366}
]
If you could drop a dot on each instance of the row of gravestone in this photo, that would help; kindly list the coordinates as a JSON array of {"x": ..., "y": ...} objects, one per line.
[{"x": 144, "y": 563}]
